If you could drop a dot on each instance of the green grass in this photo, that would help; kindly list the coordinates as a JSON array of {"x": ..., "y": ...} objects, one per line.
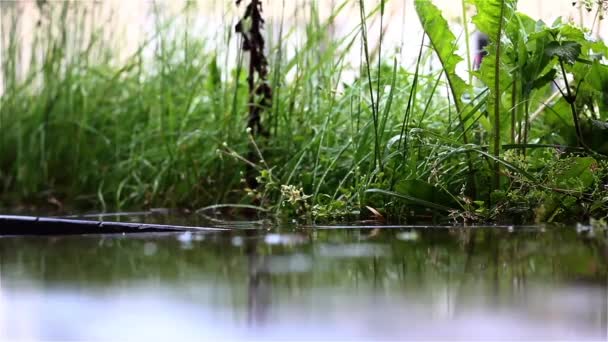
[{"x": 89, "y": 129}]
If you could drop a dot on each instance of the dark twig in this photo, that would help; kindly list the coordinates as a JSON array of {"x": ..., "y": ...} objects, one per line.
[
  {"x": 250, "y": 28},
  {"x": 260, "y": 95}
]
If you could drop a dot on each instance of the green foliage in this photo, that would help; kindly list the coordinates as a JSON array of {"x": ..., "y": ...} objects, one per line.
[
  {"x": 491, "y": 19},
  {"x": 88, "y": 128},
  {"x": 598, "y": 77},
  {"x": 573, "y": 174}
]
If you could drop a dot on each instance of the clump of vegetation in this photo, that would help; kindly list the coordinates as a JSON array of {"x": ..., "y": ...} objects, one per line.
[{"x": 522, "y": 139}]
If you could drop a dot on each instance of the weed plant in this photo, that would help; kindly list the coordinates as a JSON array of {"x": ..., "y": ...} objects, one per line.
[{"x": 522, "y": 139}]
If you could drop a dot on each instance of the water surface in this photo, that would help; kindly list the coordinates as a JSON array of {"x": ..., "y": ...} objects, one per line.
[{"x": 304, "y": 283}]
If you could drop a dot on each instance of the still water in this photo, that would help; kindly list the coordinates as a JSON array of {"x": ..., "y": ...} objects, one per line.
[{"x": 304, "y": 283}]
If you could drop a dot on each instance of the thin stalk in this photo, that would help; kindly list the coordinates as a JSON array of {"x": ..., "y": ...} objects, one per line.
[
  {"x": 465, "y": 24},
  {"x": 410, "y": 102},
  {"x": 526, "y": 122},
  {"x": 514, "y": 106},
  {"x": 377, "y": 161},
  {"x": 274, "y": 119},
  {"x": 571, "y": 99},
  {"x": 329, "y": 168},
  {"x": 431, "y": 95},
  {"x": 521, "y": 124},
  {"x": 595, "y": 19},
  {"x": 378, "y": 72},
  {"x": 496, "y": 150}
]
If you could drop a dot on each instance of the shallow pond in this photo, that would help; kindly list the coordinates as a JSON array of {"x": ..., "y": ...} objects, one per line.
[{"x": 303, "y": 283}]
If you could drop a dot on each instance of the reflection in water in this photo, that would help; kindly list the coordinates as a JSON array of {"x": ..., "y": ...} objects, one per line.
[
  {"x": 258, "y": 288},
  {"x": 307, "y": 284}
]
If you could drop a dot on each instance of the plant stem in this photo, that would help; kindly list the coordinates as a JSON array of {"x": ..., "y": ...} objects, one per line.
[
  {"x": 377, "y": 157},
  {"x": 526, "y": 122},
  {"x": 571, "y": 99},
  {"x": 465, "y": 24},
  {"x": 496, "y": 151},
  {"x": 514, "y": 106}
]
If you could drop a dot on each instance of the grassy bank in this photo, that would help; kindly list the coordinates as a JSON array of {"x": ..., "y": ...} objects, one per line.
[{"x": 523, "y": 139}]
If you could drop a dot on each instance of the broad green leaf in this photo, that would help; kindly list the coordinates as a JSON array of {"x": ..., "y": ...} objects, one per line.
[
  {"x": 492, "y": 16},
  {"x": 485, "y": 123},
  {"x": 444, "y": 44},
  {"x": 572, "y": 33},
  {"x": 487, "y": 74},
  {"x": 544, "y": 79},
  {"x": 518, "y": 31},
  {"x": 538, "y": 69},
  {"x": 596, "y": 135},
  {"x": 567, "y": 51},
  {"x": 598, "y": 77},
  {"x": 491, "y": 19},
  {"x": 558, "y": 118},
  {"x": 553, "y": 204}
]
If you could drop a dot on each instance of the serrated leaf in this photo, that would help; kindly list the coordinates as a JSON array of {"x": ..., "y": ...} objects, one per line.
[
  {"x": 589, "y": 46},
  {"x": 491, "y": 19},
  {"x": 567, "y": 51},
  {"x": 444, "y": 44}
]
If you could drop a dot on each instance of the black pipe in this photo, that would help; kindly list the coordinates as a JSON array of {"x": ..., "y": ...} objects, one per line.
[{"x": 31, "y": 225}]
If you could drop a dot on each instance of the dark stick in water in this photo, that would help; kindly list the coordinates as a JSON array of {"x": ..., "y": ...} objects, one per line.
[{"x": 31, "y": 225}]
